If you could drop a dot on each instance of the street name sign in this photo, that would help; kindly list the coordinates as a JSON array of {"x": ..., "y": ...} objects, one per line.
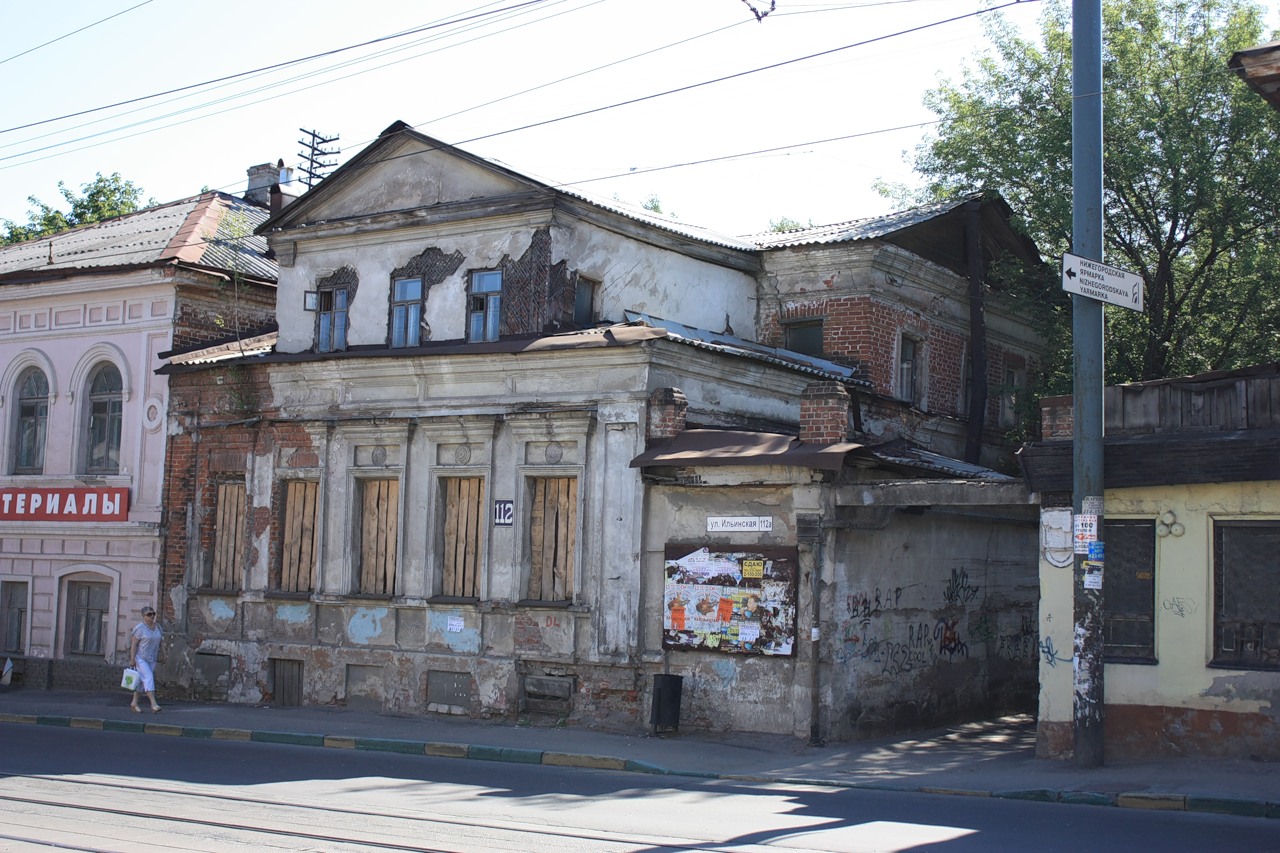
[{"x": 1101, "y": 282}]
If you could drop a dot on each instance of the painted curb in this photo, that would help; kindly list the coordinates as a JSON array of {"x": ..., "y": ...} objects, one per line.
[
  {"x": 379, "y": 744},
  {"x": 588, "y": 762},
  {"x": 505, "y": 753},
  {"x": 287, "y": 738},
  {"x": 1156, "y": 802},
  {"x": 1223, "y": 805}
]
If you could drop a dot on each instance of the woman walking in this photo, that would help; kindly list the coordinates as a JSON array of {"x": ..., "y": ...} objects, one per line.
[{"x": 143, "y": 651}]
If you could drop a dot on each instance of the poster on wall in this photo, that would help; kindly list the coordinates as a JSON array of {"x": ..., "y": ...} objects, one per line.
[{"x": 735, "y": 601}]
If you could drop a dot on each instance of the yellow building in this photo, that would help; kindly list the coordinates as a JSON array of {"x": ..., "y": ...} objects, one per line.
[{"x": 1191, "y": 534}]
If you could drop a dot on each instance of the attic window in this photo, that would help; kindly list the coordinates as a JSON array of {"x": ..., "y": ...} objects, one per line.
[
  {"x": 331, "y": 332},
  {"x": 804, "y": 338},
  {"x": 484, "y": 306},
  {"x": 584, "y": 294},
  {"x": 406, "y": 312}
]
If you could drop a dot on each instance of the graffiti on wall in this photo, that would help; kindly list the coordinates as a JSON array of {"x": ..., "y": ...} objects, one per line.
[{"x": 730, "y": 601}]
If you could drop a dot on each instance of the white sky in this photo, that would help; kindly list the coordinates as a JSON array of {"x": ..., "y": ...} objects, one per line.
[{"x": 440, "y": 81}]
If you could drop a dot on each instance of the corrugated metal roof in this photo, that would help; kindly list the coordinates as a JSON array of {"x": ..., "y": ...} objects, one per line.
[
  {"x": 715, "y": 447},
  {"x": 212, "y": 230},
  {"x": 730, "y": 345},
  {"x": 917, "y": 458},
  {"x": 856, "y": 229}
]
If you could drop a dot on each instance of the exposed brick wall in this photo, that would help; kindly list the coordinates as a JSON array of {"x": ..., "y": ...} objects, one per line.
[
  {"x": 824, "y": 413},
  {"x": 1057, "y": 418},
  {"x": 667, "y": 409},
  {"x": 218, "y": 428},
  {"x": 207, "y": 314}
]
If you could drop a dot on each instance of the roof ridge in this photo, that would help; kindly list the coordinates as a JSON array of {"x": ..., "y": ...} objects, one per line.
[{"x": 187, "y": 246}]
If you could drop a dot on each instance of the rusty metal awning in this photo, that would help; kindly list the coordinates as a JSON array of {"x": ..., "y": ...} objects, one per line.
[{"x": 718, "y": 447}]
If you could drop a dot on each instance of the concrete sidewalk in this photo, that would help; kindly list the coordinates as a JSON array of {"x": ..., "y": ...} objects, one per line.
[{"x": 992, "y": 759}]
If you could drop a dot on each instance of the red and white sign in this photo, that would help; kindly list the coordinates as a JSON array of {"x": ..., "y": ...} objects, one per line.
[{"x": 87, "y": 503}]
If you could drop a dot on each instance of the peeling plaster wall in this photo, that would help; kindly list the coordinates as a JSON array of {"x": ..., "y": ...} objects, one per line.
[
  {"x": 639, "y": 277},
  {"x": 1181, "y": 705}
]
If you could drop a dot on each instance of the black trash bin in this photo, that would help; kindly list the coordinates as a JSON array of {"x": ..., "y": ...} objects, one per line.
[{"x": 666, "y": 702}]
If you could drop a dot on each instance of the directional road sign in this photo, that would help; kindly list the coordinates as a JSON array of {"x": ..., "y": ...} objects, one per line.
[{"x": 1101, "y": 282}]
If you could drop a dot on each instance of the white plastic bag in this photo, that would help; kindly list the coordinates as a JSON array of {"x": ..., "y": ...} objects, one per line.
[{"x": 130, "y": 679}]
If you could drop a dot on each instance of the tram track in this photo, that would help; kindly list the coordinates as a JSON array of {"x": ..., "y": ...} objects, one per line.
[{"x": 48, "y": 812}]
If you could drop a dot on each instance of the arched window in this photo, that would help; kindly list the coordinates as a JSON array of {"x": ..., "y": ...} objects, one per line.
[
  {"x": 33, "y": 412},
  {"x": 106, "y": 404}
]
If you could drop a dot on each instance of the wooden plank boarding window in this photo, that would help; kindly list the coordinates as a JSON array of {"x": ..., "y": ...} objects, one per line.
[
  {"x": 228, "y": 536},
  {"x": 553, "y": 522},
  {"x": 300, "y": 542},
  {"x": 379, "y": 533},
  {"x": 463, "y": 529}
]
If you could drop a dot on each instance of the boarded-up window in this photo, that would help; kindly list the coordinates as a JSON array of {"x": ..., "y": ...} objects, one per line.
[
  {"x": 463, "y": 526},
  {"x": 228, "y": 536},
  {"x": 299, "y": 541},
  {"x": 1130, "y": 602},
  {"x": 1246, "y": 594},
  {"x": 379, "y": 531},
  {"x": 553, "y": 524}
]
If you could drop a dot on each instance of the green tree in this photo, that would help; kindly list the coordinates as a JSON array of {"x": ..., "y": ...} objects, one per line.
[
  {"x": 101, "y": 199},
  {"x": 786, "y": 223},
  {"x": 1191, "y": 175}
]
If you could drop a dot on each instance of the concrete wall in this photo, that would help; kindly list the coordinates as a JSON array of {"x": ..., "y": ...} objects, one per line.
[
  {"x": 1179, "y": 705},
  {"x": 932, "y": 618},
  {"x": 925, "y": 618}
]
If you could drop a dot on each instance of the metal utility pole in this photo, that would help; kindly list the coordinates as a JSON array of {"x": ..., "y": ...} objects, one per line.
[
  {"x": 313, "y": 166},
  {"x": 1087, "y": 347}
]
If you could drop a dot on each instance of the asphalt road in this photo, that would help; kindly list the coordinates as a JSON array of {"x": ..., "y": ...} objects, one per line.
[{"x": 93, "y": 790}]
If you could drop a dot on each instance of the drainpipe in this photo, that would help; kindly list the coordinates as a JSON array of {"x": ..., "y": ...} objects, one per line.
[
  {"x": 977, "y": 334},
  {"x": 809, "y": 532}
]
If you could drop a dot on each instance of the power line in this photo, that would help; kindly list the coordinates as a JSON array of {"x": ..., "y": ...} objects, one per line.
[
  {"x": 274, "y": 67},
  {"x": 509, "y": 11},
  {"x": 73, "y": 32}
]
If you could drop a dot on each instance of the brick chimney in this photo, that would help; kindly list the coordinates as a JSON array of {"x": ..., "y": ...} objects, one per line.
[
  {"x": 261, "y": 177},
  {"x": 285, "y": 190},
  {"x": 667, "y": 407},
  {"x": 824, "y": 413}
]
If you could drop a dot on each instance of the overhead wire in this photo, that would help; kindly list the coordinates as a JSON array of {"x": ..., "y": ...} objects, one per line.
[
  {"x": 511, "y": 11},
  {"x": 739, "y": 155},
  {"x": 265, "y": 68},
  {"x": 73, "y": 32}
]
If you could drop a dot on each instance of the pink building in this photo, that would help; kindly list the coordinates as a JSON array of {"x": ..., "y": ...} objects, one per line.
[{"x": 84, "y": 318}]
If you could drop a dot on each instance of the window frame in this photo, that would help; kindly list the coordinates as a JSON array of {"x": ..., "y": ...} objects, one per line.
[
  {"x": 76, "y": 640},
  {"x": 404, "y": 324},
  {"x": 1015, "y": 384},
  {"x": 333, "y": 305},
  {"x": 910, "y": 373},
  {"x": 15, "y": 604},
  {"x": 810, "y": 325},
  {"x": 584, "y": 303},
  {"x": 30, "y": 422},
  {"x": 484, "y": 302},
  {"x": 1265, "y": 630},
  {"x": 104, "y": 410},
  {"x": 1117, "y": 583}
]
